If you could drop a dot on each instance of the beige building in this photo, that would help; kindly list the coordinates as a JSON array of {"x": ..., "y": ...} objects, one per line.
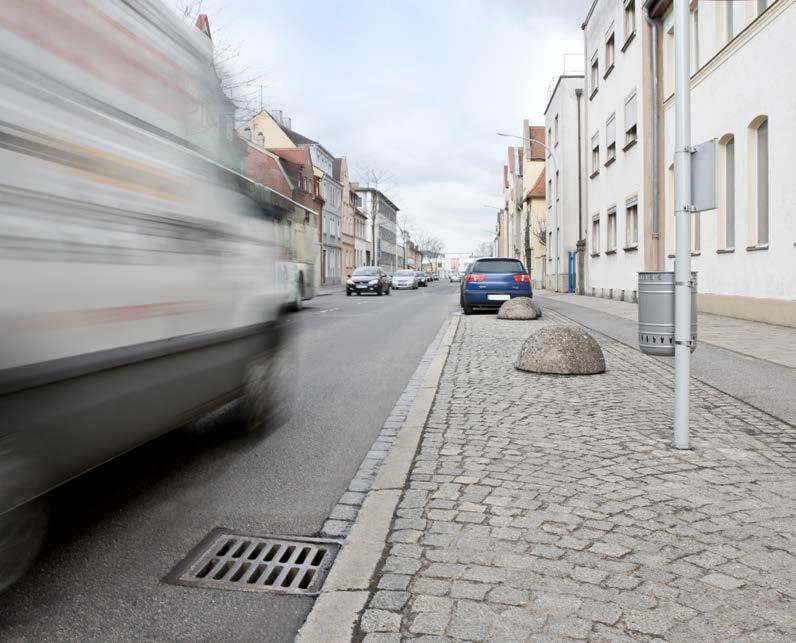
[
  {"x": 348, "y": 256},
  {"x": 535, "y": 218}
]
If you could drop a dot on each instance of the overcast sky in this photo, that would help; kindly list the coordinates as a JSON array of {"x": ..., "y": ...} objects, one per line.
[{"x": 414, "y": 88}]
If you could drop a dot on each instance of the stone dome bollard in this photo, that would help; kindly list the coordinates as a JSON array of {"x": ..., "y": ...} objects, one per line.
[
  {"x": 561, "y": 350},
  {"x": 520, "y": 308}
]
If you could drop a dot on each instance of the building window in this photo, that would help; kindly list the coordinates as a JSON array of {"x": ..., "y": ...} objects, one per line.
[
  {"x": 630, "y": 121},
  {"x": 631, "y": 223},
  {"x": 549, "y": 138},
  {"x": 610, "y": 140},
  {"x": 610, "y": 242},
  {"x": 555, "y": 130},
  {"x": 761, "y": 6},
  {"x": 595, "y": 153},
  {"x": 558, "y": 191},
  {"x": 729, "y": 192},
  {"x": 260, "y": 139},
  {"x": 595, "y": 74},
  {"x": 668, "y": 63},
  {"x": 761, "y": 180},
  {"x": 694, "y": 36},
  {"x": 728, "y": 15},
  {"x": 247, "y": 133},
  {"x": 630, "y": 20},
  {"x": 609, "y": 52},
  {"x": 595, "y": 235}
]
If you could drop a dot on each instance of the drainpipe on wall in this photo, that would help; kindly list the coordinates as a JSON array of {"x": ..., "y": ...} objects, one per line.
[
  {"x": 581, "y": 245},
  {"x": 657, "y": 263}
]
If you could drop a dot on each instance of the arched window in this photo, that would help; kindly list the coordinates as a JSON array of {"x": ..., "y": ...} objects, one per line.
[
  {"x": 762, "y": 182},
  {"x": 727, "y": 196},
  {"x": 260, "y": 139},
  {"x": 247, "y": 133},
  {"x": 758, "y": 225}
]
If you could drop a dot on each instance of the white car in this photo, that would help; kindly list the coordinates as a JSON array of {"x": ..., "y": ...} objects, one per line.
[
  {"x": 404, "y": 279},
  {"x": 454, "y": 276}
]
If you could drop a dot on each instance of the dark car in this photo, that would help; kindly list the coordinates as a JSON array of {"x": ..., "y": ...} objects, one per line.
[
  {"x": 368, "y": 279},
  {"x": 491, "y": 281},
  {"x": 422, "y": 279}
]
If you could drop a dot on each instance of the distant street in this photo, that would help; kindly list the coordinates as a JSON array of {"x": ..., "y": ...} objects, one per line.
[{"x": 118, "y": 530}]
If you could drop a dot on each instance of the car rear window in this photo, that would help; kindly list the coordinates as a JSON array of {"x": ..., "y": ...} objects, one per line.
[
  {"x": 366, "y": 272},
  {"x": 405, "y": 273},
  {"x": 497, "y": 265}
]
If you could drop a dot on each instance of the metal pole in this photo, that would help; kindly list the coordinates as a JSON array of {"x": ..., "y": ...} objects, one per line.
[{"x": 683, "y": 207}]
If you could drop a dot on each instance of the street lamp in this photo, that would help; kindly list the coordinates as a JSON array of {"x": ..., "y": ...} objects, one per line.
[{"x": 555, "y": 203}]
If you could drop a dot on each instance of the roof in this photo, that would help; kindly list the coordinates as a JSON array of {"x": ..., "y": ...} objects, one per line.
[
  {"x": 380, "y": 193},
  {"x": 203, "y": 25},
  {"x": 295, "y": 137},
  {"x": 555, "y": 89},
  {"x": 538, "y": 189}
]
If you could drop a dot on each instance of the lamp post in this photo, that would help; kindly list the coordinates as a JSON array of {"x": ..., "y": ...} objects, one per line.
[
  {"x": 555, "y": 203},
  {"x": 496, "y": 231}
]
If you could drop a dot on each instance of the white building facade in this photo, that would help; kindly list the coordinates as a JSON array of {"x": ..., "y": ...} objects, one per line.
[
  {"x": 616, "y": 158},
  {"x": 382, "y": 217},
  {"x": 741, "y": 95},
  {"x": 565, "y": 127}
]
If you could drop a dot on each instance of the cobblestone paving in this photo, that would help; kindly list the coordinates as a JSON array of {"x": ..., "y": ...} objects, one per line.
[{"x": 552, "y": 508}]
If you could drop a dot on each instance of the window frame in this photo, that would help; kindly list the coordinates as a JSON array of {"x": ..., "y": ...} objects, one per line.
[
  {"x": 610, "y": 47},
  {"x": 595, "y": 235},
  {"x": 594, "y": 73},
  {"x": 610, "y": 230},
  {"x": 628, "y": 9},
  {"x": 631, "y": 241},
  {"x": 630, "y": 142},
  {"x": 610, "y": 146},
  {"x": 595, "y": 154}
]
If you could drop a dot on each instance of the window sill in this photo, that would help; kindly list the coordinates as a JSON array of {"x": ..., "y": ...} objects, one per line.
[
  {"x": 629, "y": 145},
  {"x": 758, "y": 246},
  {"x": 628, "y": 40},
  {"x": 670, "y": 256},
  {"x": 555, "y": 144},
  {"x": 595, "y": 254},
  {"x": 608, "y": 71},
  {"x": 593, "y": 174},
  {"x": 632, "y": 248},
  {"x": 725, "y": 251},
  {"x": 612, "y": 251},
  {"x": 610, "y": 160},
  {"x": 698, "y": 253},
  {"x": 593, "y": 93}
]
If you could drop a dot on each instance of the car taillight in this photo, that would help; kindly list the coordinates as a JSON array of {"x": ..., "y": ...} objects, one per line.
[
  {"x": 522, "y": 279},
  {"x": 474, "y": 278}
]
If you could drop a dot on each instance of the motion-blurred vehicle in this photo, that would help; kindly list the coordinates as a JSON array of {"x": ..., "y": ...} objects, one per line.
[
  {"x": 422, "y": 278},
  {"x": 491, "y": 281},
  {"x": 389, "y": 278},
  {"x": 367, "y": 279},
  {"x": 454, "y": 276},
  {"x": 405, "y": 279},
  {"x": 429, "y": 277},
  {"x": 137, "y": 270}
]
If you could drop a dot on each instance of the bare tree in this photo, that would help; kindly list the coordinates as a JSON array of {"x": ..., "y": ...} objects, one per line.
[
  {"x": 484, "y": 249},
  {"x": 240, "y": 83}
]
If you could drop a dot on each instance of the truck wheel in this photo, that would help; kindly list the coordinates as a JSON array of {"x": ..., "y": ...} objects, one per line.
[
  {"x": 268, "y": 387},
  {"x": 298, "y": 297},
  {"x": 23, "y": 528}
]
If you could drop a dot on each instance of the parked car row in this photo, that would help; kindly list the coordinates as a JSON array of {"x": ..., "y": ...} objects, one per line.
[
  {"x": 372, "y": 279},
  {"x": 489, "y": 282}
]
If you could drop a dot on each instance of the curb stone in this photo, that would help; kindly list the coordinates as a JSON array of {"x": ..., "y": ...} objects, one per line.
[{"x": 346, "y": 589}]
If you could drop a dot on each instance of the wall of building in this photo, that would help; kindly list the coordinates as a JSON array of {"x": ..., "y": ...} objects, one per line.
[
  {"x": 561, "y": 121},
  {"x": 734, "y": 88}
]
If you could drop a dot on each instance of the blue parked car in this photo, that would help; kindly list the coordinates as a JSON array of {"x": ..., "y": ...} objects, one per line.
[{"x": 490, "y": 281}]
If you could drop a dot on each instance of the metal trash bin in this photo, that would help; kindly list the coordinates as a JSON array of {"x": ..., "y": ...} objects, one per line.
[{"x": 656, "y": 313}]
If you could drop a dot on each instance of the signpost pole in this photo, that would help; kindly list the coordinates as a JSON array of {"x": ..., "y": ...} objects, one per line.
[{"x": 683, "y": 213}]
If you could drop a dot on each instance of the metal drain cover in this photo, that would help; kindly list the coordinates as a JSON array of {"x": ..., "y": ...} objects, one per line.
[{"x": 225, "y": 560}]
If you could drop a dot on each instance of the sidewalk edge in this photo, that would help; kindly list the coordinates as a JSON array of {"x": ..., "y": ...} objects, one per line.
[{"x": 345, "y": 592}]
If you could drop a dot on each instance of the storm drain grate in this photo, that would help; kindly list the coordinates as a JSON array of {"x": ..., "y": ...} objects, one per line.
[{"x": 258, "y": 564}]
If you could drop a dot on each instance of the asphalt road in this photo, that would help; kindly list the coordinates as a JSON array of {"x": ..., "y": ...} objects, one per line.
[{"x": 118, "y": 530}]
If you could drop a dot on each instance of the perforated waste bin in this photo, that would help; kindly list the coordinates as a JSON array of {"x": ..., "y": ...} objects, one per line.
[{"x": 656, "y": 312}]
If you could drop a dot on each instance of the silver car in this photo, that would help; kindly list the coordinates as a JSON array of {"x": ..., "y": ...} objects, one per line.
[
  {"x": 454, "y": 276},
  {"x": 404, "y": 279}
]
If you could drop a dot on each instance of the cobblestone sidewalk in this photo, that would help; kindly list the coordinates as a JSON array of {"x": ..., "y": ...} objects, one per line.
[{"x": 552, "y": 508}]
